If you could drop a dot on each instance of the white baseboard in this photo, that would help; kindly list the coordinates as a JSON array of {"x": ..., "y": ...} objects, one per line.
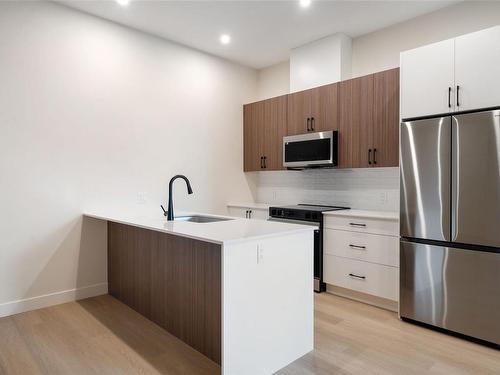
[{"x": 38, "y": 302}]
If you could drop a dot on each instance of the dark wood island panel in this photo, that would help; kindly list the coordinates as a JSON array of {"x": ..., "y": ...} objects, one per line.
[{"x": 173, "y": 281}]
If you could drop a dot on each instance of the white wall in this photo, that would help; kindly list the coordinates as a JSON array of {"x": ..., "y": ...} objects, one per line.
[
  {"x": 366, "y": 188},
  {"x": 380, "y": 50},
  {"x": 93, "y": 113},
  {"x": 320, "y": 62},
  {"x": 273, "y": 80}
]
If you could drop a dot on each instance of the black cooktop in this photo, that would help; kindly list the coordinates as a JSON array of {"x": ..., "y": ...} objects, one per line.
[{"x": 313, "y": 207}]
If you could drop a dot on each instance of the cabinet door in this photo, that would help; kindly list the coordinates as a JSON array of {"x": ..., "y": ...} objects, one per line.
[
  {"x": 325, "y": 108},
  {"x": 259, "y": 214},
  {"x": 238, "y": 211},
  {"x": 385, "y": 142},
  {"x": 356, "y": 117},
  {"x": 253, "y": 136},
  {"x": 427, "y": 75},
  {"x": 275, "y": 115},
  {"x": 477, "y": 68},
  {"x": 299, "y": 110}
]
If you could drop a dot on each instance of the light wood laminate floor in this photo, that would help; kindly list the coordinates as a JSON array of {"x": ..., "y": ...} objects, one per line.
[{"x": 102, "y": 336}]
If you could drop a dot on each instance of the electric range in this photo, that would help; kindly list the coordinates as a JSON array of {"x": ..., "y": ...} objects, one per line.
[{"x": 307, "y": 214}]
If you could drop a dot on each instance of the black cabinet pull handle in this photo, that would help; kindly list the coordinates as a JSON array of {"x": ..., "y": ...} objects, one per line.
[
  {"x": 370, "y": 156},
  {"x": 312, "y": 123},
  {"x": 374, "y": 156},
  {"x": 261, "y": 162},
  {"x": 265, "y": 163},
  {"x": 357, "y": 246},
  {"x": 449, "y": 97},
  {"x": 246, "y": 214},
  {"x": 357, "y": 276},
  {"x": 458, "y": 96},
  {"x": 249, "y": 214},
  {"x": 357, "y": 224},
  {"x": 308, "y": 124}
]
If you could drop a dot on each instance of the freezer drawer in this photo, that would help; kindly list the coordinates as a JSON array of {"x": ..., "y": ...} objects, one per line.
[
  {"x": 451, "y": 288},
  {"x": 476, "y": 178},
  {"x": 425, "y": 179}
]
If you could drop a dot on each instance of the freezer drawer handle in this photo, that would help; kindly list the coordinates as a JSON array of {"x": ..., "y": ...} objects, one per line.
[
  {"x": 357, "y": 246},
  {"x": 357, "y": 224},
  {"x": 357, "y": 276}
]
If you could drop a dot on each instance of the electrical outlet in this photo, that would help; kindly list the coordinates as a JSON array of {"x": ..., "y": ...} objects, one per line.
[
  {"x": 384, "y": 197},
  {"x": 142, "y": 197},
  {"x": 260, "y": 254}
]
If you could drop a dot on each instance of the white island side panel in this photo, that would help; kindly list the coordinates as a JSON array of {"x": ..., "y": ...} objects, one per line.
[{"x": 267, "y": 303}]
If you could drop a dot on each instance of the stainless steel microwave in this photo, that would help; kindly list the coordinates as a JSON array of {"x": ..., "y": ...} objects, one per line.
[{"x": 311, "y": 150}]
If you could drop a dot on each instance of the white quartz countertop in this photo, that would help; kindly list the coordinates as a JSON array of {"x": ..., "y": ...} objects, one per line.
[
  {"x": 219, "y": 232},
  {"x": 367, "y": 214}
]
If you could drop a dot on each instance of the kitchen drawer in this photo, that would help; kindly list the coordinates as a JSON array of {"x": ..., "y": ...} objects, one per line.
[
  {"x": 364, "y": 225},
  {"x": 368, "y": 247},
  {"x": 379, "y": 280}
]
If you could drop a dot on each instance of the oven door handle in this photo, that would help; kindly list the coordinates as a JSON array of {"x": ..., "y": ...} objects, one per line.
[{"x": 291, "y": 221}]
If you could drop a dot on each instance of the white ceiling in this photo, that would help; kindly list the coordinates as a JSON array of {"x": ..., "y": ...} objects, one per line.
[{"x": 262, "y": 32}]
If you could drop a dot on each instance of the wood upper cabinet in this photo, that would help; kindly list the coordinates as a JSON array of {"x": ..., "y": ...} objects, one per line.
[
  {"x": 253, "y": 136},
  {"x": 369, "y": 121},
  {"x": 325, "y": 110},
  {"x": 356, "y": 116},
  {"x": 313, "y": 110},
  {"x": 385, "y": 141},
  {"x": 275, "y": 117},
  {"x": 264, "y": 125},
  {"x": 364, "y": 110},
  {"x": 299, "y": 112}
]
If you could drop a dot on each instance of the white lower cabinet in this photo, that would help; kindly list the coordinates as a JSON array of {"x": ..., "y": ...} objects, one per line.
[
  {"x": 249, "y": 212},
  {"x": 361, "y": 253},
  {"x": 370, "y": 278},
  {"x": 362, "y": 246}
]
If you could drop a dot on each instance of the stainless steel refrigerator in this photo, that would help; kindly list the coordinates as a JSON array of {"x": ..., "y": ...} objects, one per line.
[{"x": 450, "y": 223}]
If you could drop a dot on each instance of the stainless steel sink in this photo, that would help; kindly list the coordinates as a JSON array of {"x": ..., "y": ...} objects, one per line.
[{"x": 201, "y": 219}]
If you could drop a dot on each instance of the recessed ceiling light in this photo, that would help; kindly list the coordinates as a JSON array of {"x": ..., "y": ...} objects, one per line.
[
  {"x": 225, "y": 39},
  {"x": 305, "y": 3},
  {"x": 123, "y": 2}
]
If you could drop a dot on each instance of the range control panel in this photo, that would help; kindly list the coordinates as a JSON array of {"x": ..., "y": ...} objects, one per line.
[{"x": 295, "y": 214}]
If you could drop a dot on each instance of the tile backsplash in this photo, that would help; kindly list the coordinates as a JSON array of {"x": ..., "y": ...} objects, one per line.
[{"x": 370, "y": 189}]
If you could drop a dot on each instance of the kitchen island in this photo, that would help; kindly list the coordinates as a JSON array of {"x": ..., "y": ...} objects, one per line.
[{"x": 239, "y": 291}]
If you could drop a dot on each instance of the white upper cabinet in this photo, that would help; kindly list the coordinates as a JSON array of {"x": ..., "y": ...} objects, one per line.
[
  {"x": 427, "y": 80},
  {"x": 454, "y": 75},
  {"x": 477, "y": 69}
]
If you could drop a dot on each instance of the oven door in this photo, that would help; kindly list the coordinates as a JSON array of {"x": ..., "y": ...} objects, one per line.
[{"x": 310, "y": 150}]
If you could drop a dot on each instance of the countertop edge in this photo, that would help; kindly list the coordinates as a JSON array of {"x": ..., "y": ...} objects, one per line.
[
  {"x": 257, "y": 206},
  {"x": 367, "y": 214},
  {"x": 199, "y": 238}
]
